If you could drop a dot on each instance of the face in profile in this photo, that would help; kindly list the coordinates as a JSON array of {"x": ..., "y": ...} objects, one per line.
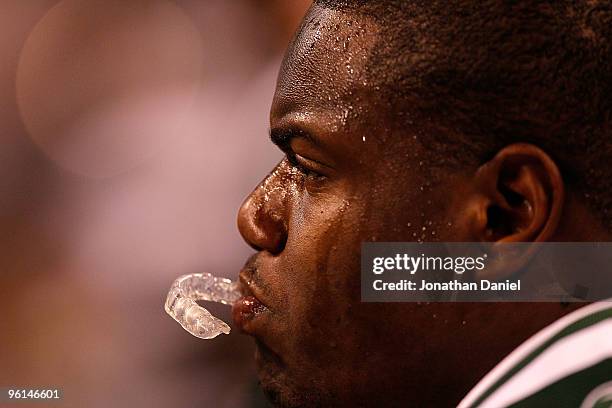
[
  {"x": 352, "y": 175},
  {"x": 308, "y": 217}
]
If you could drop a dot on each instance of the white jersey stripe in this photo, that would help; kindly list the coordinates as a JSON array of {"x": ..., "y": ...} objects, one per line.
[
  {"x": 573, "y": 353},
  {"x": 527, "y": 348}
]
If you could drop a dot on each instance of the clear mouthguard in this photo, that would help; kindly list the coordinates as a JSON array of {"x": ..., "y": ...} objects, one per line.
[{"x": 186, "y": 290}]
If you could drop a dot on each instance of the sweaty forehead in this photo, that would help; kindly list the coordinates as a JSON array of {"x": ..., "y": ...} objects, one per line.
[{"x": 323, "y": 77}]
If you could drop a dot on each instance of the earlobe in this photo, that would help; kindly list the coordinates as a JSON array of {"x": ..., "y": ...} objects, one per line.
[{"x": 519, "y": 196}]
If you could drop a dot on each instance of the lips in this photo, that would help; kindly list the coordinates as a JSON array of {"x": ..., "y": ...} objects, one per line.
[
  {"x": 249, "y": 307},
  {"x": 253, "y": 316},
  {"x": 245, "y": 310}
]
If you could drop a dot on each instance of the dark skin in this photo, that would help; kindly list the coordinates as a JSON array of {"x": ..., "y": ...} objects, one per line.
[{"x": 352, "y": 176}]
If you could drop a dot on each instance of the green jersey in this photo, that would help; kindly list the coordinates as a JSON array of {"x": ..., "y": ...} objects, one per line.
[{"x": 567, "y": 364}]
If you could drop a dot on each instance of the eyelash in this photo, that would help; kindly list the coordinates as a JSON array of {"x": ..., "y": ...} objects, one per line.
[{"x": 295, "y": 163}]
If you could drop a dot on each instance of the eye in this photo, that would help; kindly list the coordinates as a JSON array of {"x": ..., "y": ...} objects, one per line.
[{"x": 307, "y": 167}]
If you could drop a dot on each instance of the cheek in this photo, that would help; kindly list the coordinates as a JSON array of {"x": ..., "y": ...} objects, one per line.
[
  {"x": 323, "y": 274},
  {"x": 322, "y": 245}
]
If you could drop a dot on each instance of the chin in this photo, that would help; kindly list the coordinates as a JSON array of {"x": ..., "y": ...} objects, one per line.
[
  {"x": 282, "y": 396},
  {"x": 278, "y": 388},
  {"x": 273, "y": 378},
  {"x": 279, "y": 391}
]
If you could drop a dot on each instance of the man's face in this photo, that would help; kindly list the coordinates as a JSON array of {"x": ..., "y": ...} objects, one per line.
[{"x": 347, "y": 178}]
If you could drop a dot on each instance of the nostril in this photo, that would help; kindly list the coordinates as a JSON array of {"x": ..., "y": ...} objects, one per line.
[{"x": 275, "y": 238}]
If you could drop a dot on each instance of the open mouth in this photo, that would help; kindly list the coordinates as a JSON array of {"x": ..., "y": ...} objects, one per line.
[
  {"x": 249, "y": 307},
  {"x": 253, "y": 315}
]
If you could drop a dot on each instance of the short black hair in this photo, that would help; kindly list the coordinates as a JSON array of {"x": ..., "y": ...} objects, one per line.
[{"x": 489, "y": 73}]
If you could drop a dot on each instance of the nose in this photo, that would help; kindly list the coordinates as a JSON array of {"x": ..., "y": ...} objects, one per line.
[{"x": 262, "y": 217}]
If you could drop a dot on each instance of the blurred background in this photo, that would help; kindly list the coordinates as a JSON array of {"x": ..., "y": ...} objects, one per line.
[{"x": 130, "y": 132}]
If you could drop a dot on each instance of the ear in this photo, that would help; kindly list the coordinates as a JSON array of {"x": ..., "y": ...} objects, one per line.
[{"x": 517, "y": 197}]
